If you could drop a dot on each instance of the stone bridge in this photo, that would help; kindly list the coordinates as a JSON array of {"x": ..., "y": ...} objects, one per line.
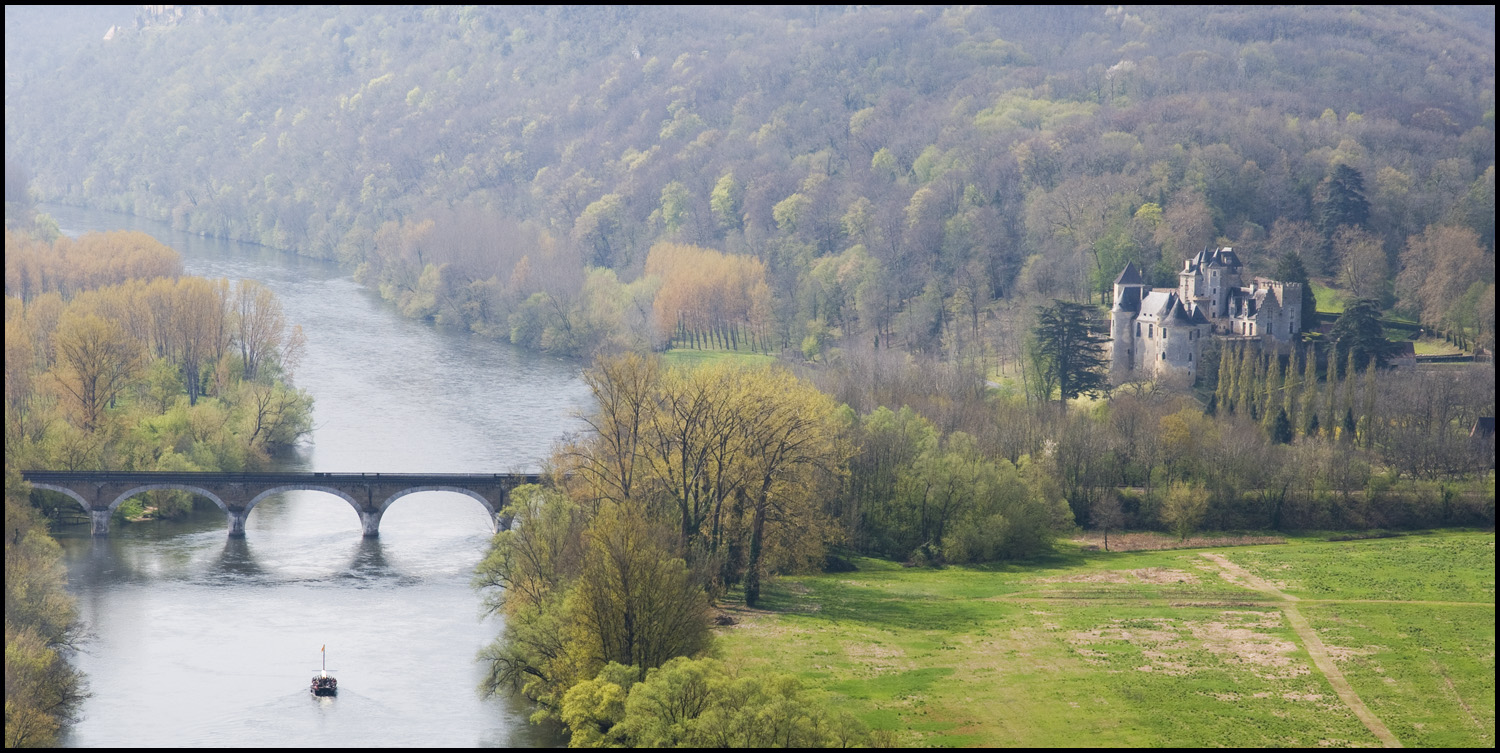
[{"x": 370, "y": 494}]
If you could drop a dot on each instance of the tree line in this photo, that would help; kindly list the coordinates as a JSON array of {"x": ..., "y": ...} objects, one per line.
[{"x": 165, "y": 372}]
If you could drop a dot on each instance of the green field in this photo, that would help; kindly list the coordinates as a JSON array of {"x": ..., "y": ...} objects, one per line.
[
  {"x": 1150, "y": 648},
  {"x": 1330, "y": 301}
]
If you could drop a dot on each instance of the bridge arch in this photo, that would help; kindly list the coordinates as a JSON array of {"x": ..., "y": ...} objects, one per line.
[
  {"x": 75, "y": 496},
  {"x": 341, "y": 494},
  {"x": 200, "y": 491},
  {"x": 489, "y": 507}
]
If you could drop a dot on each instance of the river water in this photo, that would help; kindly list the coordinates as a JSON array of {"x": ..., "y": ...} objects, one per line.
[{"x": 198, "y": 640}]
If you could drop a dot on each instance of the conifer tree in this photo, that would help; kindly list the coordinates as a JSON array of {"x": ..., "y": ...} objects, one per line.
[
  {"x": 1072, "y": 351},
  {"x": 1281, "y": 428}
]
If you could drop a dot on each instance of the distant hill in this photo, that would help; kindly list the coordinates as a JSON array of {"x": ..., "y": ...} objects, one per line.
[{"x": 995, "y": 151}]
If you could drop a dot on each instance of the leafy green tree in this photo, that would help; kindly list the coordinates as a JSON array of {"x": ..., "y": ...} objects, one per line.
[
  {"x": 725, "y": 201},
  {"x": 675, "y": 206},
  {"x": 635, "y": 602},
  {"x": 1184, "y": 507},
  {"x": 1070, "y": 350}
]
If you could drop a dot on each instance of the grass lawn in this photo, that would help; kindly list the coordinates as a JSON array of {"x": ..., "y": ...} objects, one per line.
[
  {"x": 694, "y": 358},
  {"x": 1148, "y": 648},
  {"x": 1329, "y": 300},
  {"x": 1432, "y": 346}
]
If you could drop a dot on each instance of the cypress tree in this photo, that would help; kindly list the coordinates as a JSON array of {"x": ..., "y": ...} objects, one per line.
[{"x": 1281, "y": 428}]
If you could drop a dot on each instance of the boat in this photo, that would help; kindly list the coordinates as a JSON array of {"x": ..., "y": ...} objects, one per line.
[{"x": 322, "y": 682}]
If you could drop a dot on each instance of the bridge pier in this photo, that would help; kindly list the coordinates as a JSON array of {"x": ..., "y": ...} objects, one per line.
[
  {"x": 370, "y": 521},
  {"x": 237, "y": 523},
  {"x": 99, "y": 522},
  {"x": 501, "y": 521}
]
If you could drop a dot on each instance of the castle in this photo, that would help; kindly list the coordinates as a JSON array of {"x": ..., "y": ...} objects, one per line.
[{"x": 1157, "y": 333}]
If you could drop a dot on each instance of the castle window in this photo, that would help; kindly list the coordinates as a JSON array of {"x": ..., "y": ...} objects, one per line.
[
  {"x": 1190, "y": 356},
  {"x": 1137, "y": 329},
  {"x": 1163, "y": 333},
  {"x": 1151, "y": 330}
]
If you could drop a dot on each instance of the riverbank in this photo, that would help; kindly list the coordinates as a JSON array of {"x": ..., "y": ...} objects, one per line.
[{"x": 1153, "y": 648}]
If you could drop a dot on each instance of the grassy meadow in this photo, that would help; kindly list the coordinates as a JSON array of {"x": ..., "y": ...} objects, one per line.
[{"x": 1149, "y": 648}]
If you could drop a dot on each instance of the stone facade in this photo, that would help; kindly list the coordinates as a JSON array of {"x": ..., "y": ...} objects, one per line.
[{"x": 1158, "y": 333}]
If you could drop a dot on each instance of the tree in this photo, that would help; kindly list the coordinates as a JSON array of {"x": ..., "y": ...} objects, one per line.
[
  {"x": 1362, "y": 265},
  {"x": 1281, "y": 428},
  {"x": 1437, "y": 269},
  {"x": 1341, "y": 201},
  {"x": 1185, "y": 506},
  {"x": 1107, "y": 514},
  {"x": 96, "y": 360},
  {"x": 725, "y": 201},
  {"x": 1069, "y": 350},
  {"x": 258, "y": 325},
  {"x": 635, "y": 602},
  {"x": 794, "y": 449},
  {"x": 1359, "y": 335}
]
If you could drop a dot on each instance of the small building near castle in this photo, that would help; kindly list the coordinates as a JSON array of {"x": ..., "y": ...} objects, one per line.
[{"x": 1158, "y": 333}]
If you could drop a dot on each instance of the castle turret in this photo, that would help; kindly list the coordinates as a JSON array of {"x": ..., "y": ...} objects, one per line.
[{"x": 1130, "y": 288}]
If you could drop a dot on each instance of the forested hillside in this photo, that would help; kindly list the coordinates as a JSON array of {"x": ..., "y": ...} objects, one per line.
[{"x": 893, "y": 171}]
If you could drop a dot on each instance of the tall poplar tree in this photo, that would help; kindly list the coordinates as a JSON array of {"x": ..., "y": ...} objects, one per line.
[
  {"x": 1224, "y": 390},
  {"x": 1309, "y": 414}
]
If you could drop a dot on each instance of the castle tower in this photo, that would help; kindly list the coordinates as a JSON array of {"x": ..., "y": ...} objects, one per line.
[
  {"x": 1223, "y": 275},
  {"x": 1130, "y": 288}
]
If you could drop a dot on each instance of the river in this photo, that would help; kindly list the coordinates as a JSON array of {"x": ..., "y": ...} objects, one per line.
[{"x": 194, "y": 639}]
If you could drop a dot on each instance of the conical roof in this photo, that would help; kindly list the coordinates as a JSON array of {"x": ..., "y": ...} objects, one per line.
[{"x": 1130, "y": 276}]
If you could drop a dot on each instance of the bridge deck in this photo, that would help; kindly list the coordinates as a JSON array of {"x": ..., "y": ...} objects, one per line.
[{"x": 415, "y": 479}]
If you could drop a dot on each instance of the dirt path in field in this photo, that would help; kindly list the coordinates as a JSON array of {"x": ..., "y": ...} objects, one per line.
[{"x": 1315, "y": 648}]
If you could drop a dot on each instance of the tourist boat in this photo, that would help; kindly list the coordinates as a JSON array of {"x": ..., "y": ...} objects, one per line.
[{"x": 322, "y": 682}]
